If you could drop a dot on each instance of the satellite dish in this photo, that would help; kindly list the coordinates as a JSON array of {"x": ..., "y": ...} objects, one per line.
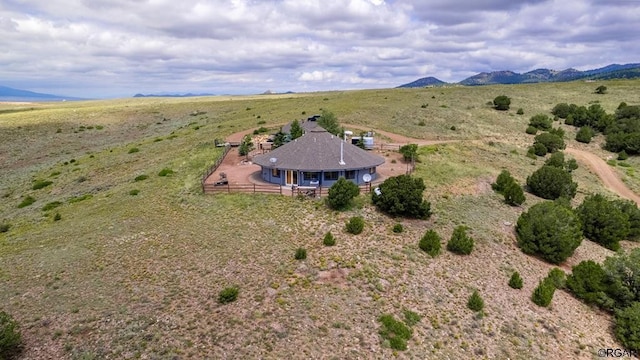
[
  {"x": 366, "y": 177},
  {"x": 273, "y": 160}
]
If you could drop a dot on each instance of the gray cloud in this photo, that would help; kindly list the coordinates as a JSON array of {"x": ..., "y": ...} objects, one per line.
[{"x": 106, "y": 48}]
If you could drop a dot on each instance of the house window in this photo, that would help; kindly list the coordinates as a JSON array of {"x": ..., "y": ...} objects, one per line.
[
  {"x": 331, "y": 175},
  {"x": 350, "y": 174},
  {"x": 313, "y": 176},
  {"x": 275, "y": 173}
]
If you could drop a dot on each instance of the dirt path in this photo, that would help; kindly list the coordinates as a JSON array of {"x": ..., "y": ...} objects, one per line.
[{"x": 604, "y": 172}]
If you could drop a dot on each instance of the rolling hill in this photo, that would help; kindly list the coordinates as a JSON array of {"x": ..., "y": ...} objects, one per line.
[{"x": 11, "y": 94}]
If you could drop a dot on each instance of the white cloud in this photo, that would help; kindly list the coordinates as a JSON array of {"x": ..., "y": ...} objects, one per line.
[{"x": 121, "y": 47}]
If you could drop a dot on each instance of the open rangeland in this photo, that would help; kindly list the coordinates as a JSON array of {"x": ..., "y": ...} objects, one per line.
[{"x": 133, "y": 265}]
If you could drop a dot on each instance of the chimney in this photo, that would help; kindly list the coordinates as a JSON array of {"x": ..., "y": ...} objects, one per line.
[{"x": 342, "y": 153}]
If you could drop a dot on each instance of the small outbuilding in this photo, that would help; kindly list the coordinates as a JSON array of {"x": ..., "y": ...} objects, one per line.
[{"x": 318, "y": 158}]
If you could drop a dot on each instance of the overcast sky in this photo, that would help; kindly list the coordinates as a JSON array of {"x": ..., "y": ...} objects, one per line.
[{"x": 116, "y": 48}]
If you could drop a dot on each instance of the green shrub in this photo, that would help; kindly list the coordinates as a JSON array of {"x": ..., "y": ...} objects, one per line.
[
  {"x": 329, "y": 239},
  {"x": 228, "y": 295},
  {"x": 515, "y": 282},
  {"x": 39, "y": 184},
  {"x": 549, "y": 230},
  {"x": 4, "y": 227},
  {"x": 550, "y": 182},
  {"x": 585, "y": 134},
  {"x": 520, "y": 111},
  {"x": 539, "y": 149},
  {"x": 409, "y": 152},
  {"x": 355, "y": 225},
  {"x": 52, "y": 205},
  {"x": 57, "y": 217},
  {"x": 543, "y": 293},
  {"x": 556, "y": 160},
  {"x": 341, "y": 193},
  {"x": 402, "y": 196},
  {"x": 570, "y": 165},
  {"x": 531, "y": 130},
  {"x": 134, "y": 192},
  {"x": 502, "y": 181},
  {"x": 301, "y": 253},
  {"x": 622, "y": 155},
  {"x": 540, "y": 121},
  {"x": 627, "y": 326},
  {"x": 26, "y": 201},
  {"x": 165, "y": 172},
  {"x": 133, "y": 150},
  {"x": 394, "y": 331},
  {"x": 561, "y": 110},
  {"x": 411, "y": 318},
  {"x": 430, "y": 243},
  {"x": 10, "y": 337},
  {"x": 501, "y": 103},
  {"x": 603, "y": 221},
  {"x": 76, "y": 199},
  {"x": 559, "y": 132},
  {"x": 587, "y": 282},
  {"x": 513, "y": 194},
  {"x": 141, "y": 177},
  {"x": 398, "y": 228},
  {"x": 550, "y": 141},
  {"x": 460, "y": 243},
  {"x": 630, "y": 209},
  {"x": 557, "y": 277},
  {"x": 475, "y": 302}
]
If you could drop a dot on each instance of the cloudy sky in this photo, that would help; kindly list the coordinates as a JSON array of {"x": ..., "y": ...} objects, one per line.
[{"x": 116, "y": 48}]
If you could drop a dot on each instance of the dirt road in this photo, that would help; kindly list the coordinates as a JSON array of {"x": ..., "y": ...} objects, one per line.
[{"x": 604, "y": 172}]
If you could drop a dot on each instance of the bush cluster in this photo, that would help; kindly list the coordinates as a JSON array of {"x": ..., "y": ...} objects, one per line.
[
  {"x": 612, "y": 287},
  {"x": 395, "y": 332},
  {"x": 604, "y": 221},
  {"x": 550, "y": 182},
  {"x": 402, "y": 196},
  {"x": 507, "y": 186},
  {"x": 550, "y": 230}
]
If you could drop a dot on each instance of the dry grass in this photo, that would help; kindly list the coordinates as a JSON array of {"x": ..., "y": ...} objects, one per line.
[{"x": 125, "y": 276}]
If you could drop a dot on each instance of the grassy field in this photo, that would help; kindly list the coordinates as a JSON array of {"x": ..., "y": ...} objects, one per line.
[{"x": 137, "y": 276}]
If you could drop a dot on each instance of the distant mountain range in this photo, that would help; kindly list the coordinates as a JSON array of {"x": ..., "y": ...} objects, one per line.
[
  {"x": 11, "y": 94},
  {"x": 613, "y": 71}
]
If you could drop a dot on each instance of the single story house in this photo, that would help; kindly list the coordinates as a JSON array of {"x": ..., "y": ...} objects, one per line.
[{"x": 318, "y": 158}]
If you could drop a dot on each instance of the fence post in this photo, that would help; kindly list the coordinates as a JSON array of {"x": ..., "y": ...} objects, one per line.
[{"x": 254, "y": 188}]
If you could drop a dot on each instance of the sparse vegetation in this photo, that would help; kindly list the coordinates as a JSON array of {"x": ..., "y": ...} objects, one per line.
[
  {"x": 141, "y": 177},
  {"x": 395, "y": 332},
  {"x": 52, "y": 205},
  {"x": 133, "y": 150},
  {"x": 134, "y": 192},
  {"x": 4, "y": 227},
  {"x": 40, "y": 184}
]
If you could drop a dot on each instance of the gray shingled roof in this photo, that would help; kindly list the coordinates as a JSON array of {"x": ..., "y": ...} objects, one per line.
[{"x": 318, "y": 150}]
